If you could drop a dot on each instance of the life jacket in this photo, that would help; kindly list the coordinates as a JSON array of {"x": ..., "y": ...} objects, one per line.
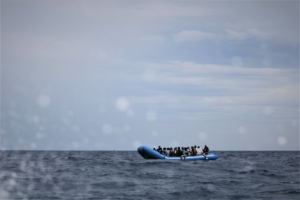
[{"x": 192, "y": 151}]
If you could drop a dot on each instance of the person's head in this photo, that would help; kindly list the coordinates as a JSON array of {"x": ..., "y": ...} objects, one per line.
[
  {"x": 198, "y": 146},
  {"x": 195, "y": 146},
  {"x": 178, "y": 148}
]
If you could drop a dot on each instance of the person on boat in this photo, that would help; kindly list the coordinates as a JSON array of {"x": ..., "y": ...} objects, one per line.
[
  {"x": 179, "y": 152},
  {"x": 205, "y": 149},
  {"x": 160, "y": 150},
  {"x": 167, "y": 151},
  {"x": 188, "y": 151},
  {"x": 199, "y": 151},
  {"x": 171, "y": 152},
  {"x": 183, "y": 154},
  {"x": 175, "y": 151},
  {"x": 195, "y": 150},
  {"x": 154, "y": 148},
  {"x": 192, "y": 151}
]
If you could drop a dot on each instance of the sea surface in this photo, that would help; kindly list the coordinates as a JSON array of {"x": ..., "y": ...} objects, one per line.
[{"x": 126, "y": 175}]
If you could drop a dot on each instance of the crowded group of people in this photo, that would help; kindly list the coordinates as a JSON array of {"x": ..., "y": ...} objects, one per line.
[{"x": 182, "y": 152}]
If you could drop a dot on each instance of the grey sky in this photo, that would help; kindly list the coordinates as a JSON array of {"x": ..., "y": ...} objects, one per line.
[{"x": 105, "y": 75}]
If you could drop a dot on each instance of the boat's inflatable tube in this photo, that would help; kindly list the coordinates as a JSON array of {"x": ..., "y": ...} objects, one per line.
[{"x": 149, "y": 153}]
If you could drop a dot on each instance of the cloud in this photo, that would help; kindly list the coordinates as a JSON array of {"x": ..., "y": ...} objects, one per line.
[
  {"x": 237, "y": 34},
  {"x": 192, "y": 36},
  {"x": 194, "y": 84},
  {"x": 251, "y": 32},
  {"x": 285, "y": 35},
  {"x": 51, "y": 46},
  {"x": 263, "y": 35}
]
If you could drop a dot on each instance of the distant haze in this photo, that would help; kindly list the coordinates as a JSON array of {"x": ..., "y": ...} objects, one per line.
[{"x": 114, "y": 75}]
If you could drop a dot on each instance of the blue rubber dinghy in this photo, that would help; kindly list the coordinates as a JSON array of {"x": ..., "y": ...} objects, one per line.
[{"x": 149, "y": 153}]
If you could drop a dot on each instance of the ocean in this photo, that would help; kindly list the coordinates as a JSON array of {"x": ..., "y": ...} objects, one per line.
[{"x": 126, "y": 175}]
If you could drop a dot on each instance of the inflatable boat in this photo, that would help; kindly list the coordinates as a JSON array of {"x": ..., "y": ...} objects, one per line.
[{"x": 149, "y": 153}]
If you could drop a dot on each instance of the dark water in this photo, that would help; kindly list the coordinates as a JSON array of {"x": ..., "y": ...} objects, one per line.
[{"x": 126, "y": 175}]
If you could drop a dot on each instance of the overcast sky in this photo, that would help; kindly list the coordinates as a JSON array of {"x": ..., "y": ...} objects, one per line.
[{"x": 114, "y": 75}]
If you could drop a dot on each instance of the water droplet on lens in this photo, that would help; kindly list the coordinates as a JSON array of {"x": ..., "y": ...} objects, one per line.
[
  {"x": 107, "y": 128},
  {"x": 122, "y": 104},
  {"x": 151, "y": 116},
  {"x": 281, "y": 140},
  {"x": 43, "y": 101}
]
